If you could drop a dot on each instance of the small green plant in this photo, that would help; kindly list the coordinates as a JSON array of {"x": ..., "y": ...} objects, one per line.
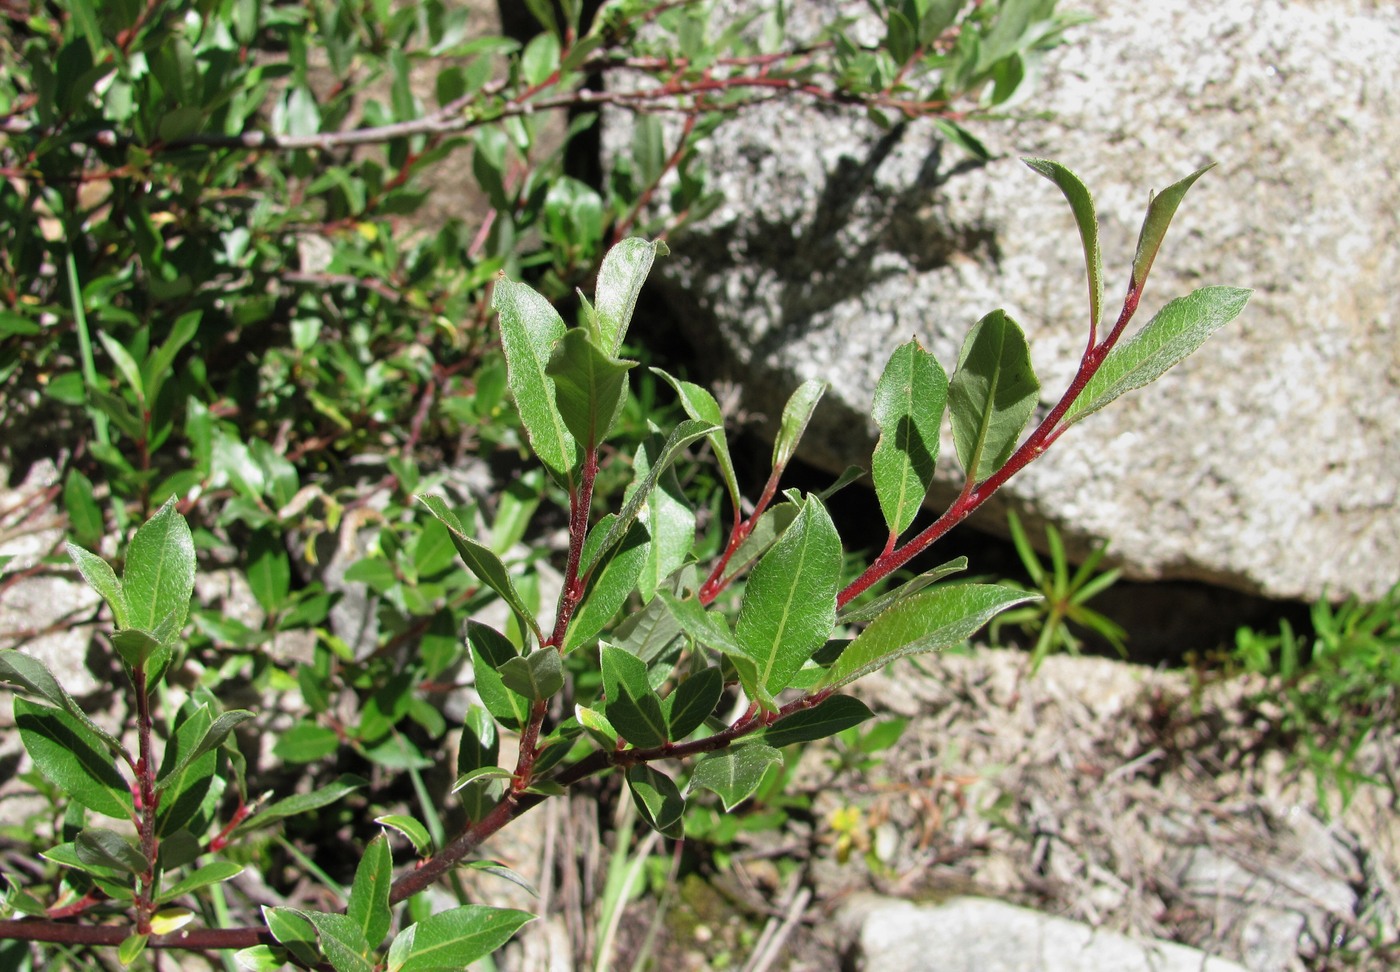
[
  {"x": 676, "y": 671},
  {"x": 1332, "y": 690},
  {"x": 1063, "y": 598}
]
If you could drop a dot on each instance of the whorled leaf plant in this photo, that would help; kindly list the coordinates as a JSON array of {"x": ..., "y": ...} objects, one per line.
[{"x": 671, "y": 651}]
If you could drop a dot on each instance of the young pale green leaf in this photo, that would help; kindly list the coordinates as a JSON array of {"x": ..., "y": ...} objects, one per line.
[
  {"x": 609, "y": 587},
  {"x": 658, "y": 800},
  {"x": 135, "y": 647},
  {"x": 491, "y": 650},
  {"x": 991, "y": 395},
  {"x": 1161, "y": 207},
  {"x": 789, "y": 604},
  {"x": 167, "y": 921},
  {"x": 102, "y": 579},
  {"x": 838, "y": 713},
  {"x": 669, "y": 521},
  {"x": 928, "y": 621},
  {"x": 589, "y": 386},
  {"x": 131, "y": 947},
  {"x": 530, "y": 329},
  {"x": 411, "y": 828},
  {"x": 867, "y": 612},
  {"x": 214, "y": 872},
  {"x": 681, "y": 437},
  {"x": 796, "y": 414},
  {"x": 620, "y": 280},
  {"x": 342, "y": 941},
  {"x": 909, "y": 401},
  {"x": 456, "y": 938},
  {"x": 261, "y": 958},
  {"x": 20, "y": 669},
  {"x": 368, "y": 907},
  {"x": 535, "y": 676},
  {"x": 1082, "y": 204},
  {"x": 482, "y": 562},
  {"x": 596, "y": 725},
  {"x": 97, "y": 847},
  {"x": 693, "y": 701},
  {"x": 701, "y": 406},
  {"x": 1175, "y": 332},
  {"x": 72, "y": 758},
  {"x": 158, "y": 578},
  {"x": 302, "y": 803},
  {"x": 735, "y": 773}
]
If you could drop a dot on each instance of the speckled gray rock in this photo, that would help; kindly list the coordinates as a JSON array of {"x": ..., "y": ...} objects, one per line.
[
  {"x": 1270, "y": 460},
  {"x": 981, "y": 935}
]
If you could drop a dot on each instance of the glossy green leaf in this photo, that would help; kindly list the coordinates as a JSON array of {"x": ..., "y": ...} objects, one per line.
[
  {"x": 596, "y": 725},
  {"x": 681, "y": 438},
  {"x": 479, "y": 744},
  {"x": 735, "y": 773},
  {"x": 214, "y": 872},
  {"x": 368, "y": 907},
  {"x": 867, "y": 612},
  {"x": 158, "y": 578},
  {"x": 610, "y": 586},
  {"x": 836, "y": 714},
  {"x": 1161, "y": 207},
  {"x": 701, "y": 406},
  {"x": 658, "y": 800},
  {"x": 213, "y": 738},
  {"x": 693, "y": 701},
  {"x": 303, "y": 803},
  {"x": 789, "y": 604},
  {"x": 411, "y": 828},
  {"x": 630, "y": 705},
  {"x": 796, "y": 414},
  {"x": 909, "y": 401},
  {"x": 929, "y": 621},
  {"x": 530, "y": 329},
  {"x": 991, "y": 395},
  {"x": 482, "y": 562},
  {"x": 20, "y": 669},
  {"x": 185, "y": 782},
  {"x": 1177, "y": 330},
  {"x": 260, "y": 958},
  {"x": 72, "y": 758},
  {"x": 294, "y": 933},
  {"x": 670, "y": 522},
  {"x": 101, "y": 848},
  {"x": 102, "y": 579},
  {"x": 491, "y": 650},
  {"x": 342, "y": 941},
  {"x": 620, "y": 280},
  {"x": 131, "y": 949},
  {"x": 1082, "y": 204},
  {"x": 535, "y": 676},
  {"x": 589, "y": 386},
  {"x": 458, "y": 937}
]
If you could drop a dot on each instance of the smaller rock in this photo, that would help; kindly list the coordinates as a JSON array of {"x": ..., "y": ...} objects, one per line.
[{"x": 968, "y": 934}]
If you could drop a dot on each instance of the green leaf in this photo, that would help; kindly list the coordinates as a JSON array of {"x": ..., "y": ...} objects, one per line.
[
  {"x": 491, "y": 650},
  {"x": 909, "y": 401},
  {"x": 70, "y": 756},
  {"x": 928, "y": 621},
  {"x": 530, "y": 329},
  {"x": 260, "y": 958},
  {"x": 101, "y": 848},
  {"x": 212, "y": 873},
  {"x": 789, "y": 604},
  {"x": 1082, "y": 204},
  {"x": 838, "y": 713},
  {"x": 125, "y": 363},
  {"x": 342, "y": 941},
  {"x": 368, "y": 907},
  {"x": 706, "y": 627},
  {"x": 131, "y": 948},
  {"x": 294, "y": 933},
  {"x": 540, "y": 59},
  {"x": 658, "y": 800},
  {"x": 609, "y": 588},
  {"x": 158, "y": 578},
  {"x": 102, "y": 579},
  {"x": 269, "y": 570},
  {"x": 669, "y": 521},
  {"x": 1177, "y": 330},
  {"x": 589, "y": 386},
  {"x": 693, "y": 701},
  {"x": 630, "y": 705},
  {"x": 84, "y": 515},
  {"x": 771, "y": 525},
  {"x": 1161, "y": 207},
  {"x": 185, "y": 782},
  {"x": 597, "y": 725},
  {"x": 867, "y": 612},
  {"x": 478, "y": 746},
  {"x": 991, "y": 395},
  {"x": 482, "y": 562},
  {"x": 456, "y": 938},
  {"x": 213, "y": 738},
  {"x": 303, "y": 803},
  {"x": 136, "y": 648},
  {"x": 620, "y": 280},
  {"x": 306, "y": 742},
  {"x": 680, "y": 438},
  {"x": 411, "y": 828},
  {"x": 796, "y": 414},
  {"x": 701, "y": 406},
  {"x": 735, "y": 773},
  {"x": 535, "y": 676},
  {"x": 33, "y": 675}
]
